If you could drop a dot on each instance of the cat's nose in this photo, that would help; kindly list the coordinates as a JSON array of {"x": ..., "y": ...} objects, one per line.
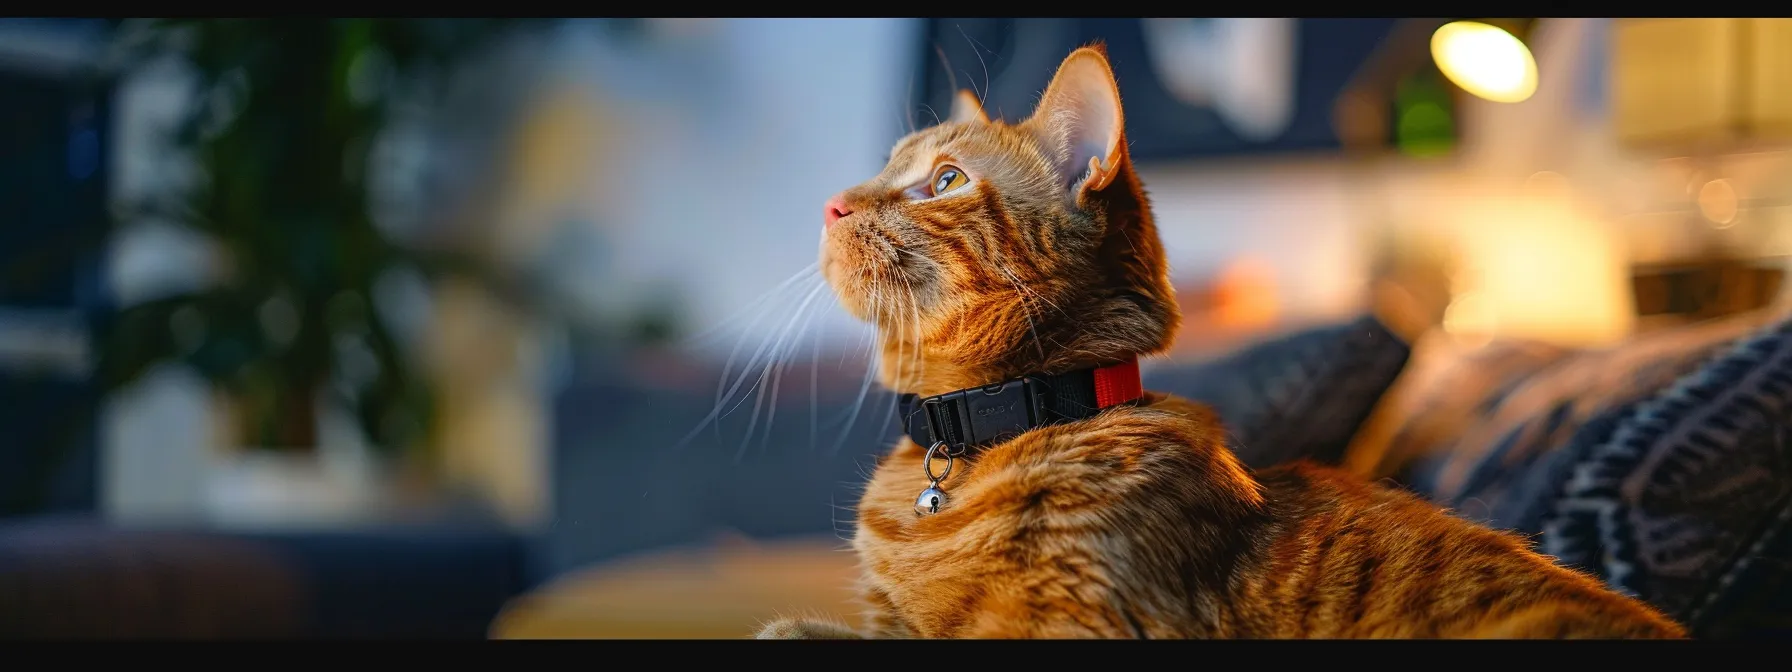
[{"x": 835, "y": 209}]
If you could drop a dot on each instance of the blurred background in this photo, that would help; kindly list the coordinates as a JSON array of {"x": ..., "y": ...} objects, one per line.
[{"x": 453, "y": 327}]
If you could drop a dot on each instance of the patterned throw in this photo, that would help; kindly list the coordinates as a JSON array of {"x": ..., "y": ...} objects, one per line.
[
  {"x": 1659, "y": 465},
  {"x": 1687, "y": 503}
]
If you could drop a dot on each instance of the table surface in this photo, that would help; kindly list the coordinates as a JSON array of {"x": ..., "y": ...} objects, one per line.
[{"x": 724, "y": 590}]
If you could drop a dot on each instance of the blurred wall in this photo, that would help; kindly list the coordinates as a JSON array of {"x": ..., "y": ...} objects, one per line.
[{"x": 724, "y": 137}]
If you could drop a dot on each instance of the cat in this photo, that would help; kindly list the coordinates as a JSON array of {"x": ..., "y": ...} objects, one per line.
[{"x": 988, "y": 251}]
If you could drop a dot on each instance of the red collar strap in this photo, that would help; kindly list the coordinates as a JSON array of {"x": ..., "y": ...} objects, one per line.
[{"x": 978, "y": 417}]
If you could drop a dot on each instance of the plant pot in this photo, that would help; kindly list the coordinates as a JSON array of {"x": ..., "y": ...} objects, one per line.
[
  {"x": 339, "y": 482},
  {"x": 281, "y": 489},
  {"x": 174, "y": 457}
]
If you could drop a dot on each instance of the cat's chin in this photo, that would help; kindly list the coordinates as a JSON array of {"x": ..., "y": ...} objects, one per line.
[
  {"x": 847, "y": 302},
  {"x": 848, "y": 293},
  {"x": 844, "y": 297}
]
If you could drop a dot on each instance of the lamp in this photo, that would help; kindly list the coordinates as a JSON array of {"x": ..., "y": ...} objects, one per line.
[
  {"x": 1409, "y": 89},
  {"x": 1485, "y": 60},
  {"x": 1473, "y": 248}
]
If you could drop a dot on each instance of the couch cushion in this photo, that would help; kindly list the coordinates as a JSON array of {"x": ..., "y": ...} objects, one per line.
[{"x": 1300, "y": 396}]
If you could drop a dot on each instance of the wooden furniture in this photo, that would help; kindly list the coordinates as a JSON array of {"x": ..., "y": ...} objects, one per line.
[{"x": 723, "y": 591}]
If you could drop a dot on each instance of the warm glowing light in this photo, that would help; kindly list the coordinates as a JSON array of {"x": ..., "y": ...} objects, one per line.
[
  {"x": 1543, "y": 270},
  {"x": 1470, "y": 318},
  {"x": 1548, "y": 184},
  {"x": 1718, "y": 203},
  {"x": 1485, "y": 61},
  {"x": 1246, "y": 295}
]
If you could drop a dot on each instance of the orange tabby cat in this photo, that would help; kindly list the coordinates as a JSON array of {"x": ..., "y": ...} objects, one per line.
[{"x": 986, "y": 251}]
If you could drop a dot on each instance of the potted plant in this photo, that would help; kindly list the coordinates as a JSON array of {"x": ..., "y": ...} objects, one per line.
[{"x": 283, "y": 123}]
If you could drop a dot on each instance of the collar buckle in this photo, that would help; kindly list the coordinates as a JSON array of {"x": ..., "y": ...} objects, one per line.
[
  {"x": 936, "y": 408},
  {"x": 986, "y": 415}
]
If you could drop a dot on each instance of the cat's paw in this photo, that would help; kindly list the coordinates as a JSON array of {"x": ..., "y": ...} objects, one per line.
[{"x": 796, "y": 628}]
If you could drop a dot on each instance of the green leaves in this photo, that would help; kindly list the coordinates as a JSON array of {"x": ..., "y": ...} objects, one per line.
[{"x": 282, "y": 123}]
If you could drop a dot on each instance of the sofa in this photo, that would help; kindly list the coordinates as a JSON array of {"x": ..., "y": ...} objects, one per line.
[{"x": 1658, "y": 465}]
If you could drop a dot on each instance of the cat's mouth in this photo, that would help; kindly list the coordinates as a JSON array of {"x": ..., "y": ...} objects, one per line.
[
  {"x": 851, "y": 269},
  {"x": 866, "y": 270}
]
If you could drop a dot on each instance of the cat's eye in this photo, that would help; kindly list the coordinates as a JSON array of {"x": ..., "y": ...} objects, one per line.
[{"x": 948, "y": 178}]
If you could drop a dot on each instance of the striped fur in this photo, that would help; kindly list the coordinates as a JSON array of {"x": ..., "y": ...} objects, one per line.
[{"x": 1139, "y": 522}]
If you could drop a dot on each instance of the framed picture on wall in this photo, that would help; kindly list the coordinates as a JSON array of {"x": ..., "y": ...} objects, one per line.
[{"x": 1193, "y": 88}]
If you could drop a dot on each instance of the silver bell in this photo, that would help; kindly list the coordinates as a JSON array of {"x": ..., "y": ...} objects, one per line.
[{"x": 930, "y": 501}]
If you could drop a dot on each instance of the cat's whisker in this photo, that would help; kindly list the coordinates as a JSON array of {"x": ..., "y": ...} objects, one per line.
[
  {"x": 919, "y": 338},
  {"x": 753, "y": 421},
  {"x": 912, "y": 253},
  {"x": 733, "y": 353},
  {"x": 908, "y": 103},
  {"x": 1026, "y": 310},
  {"x": 844, "y": 352},
  {"x": 716, "y": 412},
  {"x": 946, "y": 64},
  {"x": 909, "y": 375},
  {"x": 776, "y": 364},
  {"x": 779, "y": 291},
  {"x": 808, "y": 313},
  {"x": 866, "y": 336},
  {"x": 771, "y": 360},
  {"x": 920, "y": 333},
  {"x": 771, "y": 341},
  {"x": 863, "y": 472},
  {"x": 978, "y": 50},
  {"x": 870, "y": 365},
  {"x": 898, "y": 321},
  {"x": 814, "y": 388},
  {"x": 1021, "y": 285},
  {"x": 811, "y": 272},
  {"x": 899, "y": 371},
  {"x": 834, "y": 523},
  {"x": 930, "y": 110},
  {"x": 852, "y": 513}
]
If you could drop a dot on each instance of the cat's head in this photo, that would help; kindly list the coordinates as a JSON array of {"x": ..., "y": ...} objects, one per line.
[{"x": 987, "y": 249}]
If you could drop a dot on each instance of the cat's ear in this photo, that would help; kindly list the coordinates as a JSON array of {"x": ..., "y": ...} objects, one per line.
[
  {"x": 966, "y": 108},
  {"x": 1079, "y": 116}
]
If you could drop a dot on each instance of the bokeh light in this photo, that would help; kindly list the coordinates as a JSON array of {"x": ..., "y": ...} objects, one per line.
[
  {"x": 1485, "y": 60},
  {"x": 1718, "y": 203}
]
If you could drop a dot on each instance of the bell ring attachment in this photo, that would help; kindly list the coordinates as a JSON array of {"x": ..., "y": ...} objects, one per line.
[
  {"x": 930, "y": 501},
  {"x": 933, "y": 498}
]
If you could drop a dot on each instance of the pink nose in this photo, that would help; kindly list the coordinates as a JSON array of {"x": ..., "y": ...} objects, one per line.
[{"x": 835, "y": 209}]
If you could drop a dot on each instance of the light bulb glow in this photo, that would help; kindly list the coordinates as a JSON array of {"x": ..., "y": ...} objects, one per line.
[
  {"x": 1485, "y": 60},
  {"x": 1718, "y": 203}
]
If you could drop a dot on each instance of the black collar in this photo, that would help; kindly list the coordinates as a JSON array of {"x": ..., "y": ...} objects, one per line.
[{"x": 978, "y": 417}]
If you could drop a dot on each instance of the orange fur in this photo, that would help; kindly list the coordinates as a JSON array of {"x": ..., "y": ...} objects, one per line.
[{"x": 1138, "y": 522}]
